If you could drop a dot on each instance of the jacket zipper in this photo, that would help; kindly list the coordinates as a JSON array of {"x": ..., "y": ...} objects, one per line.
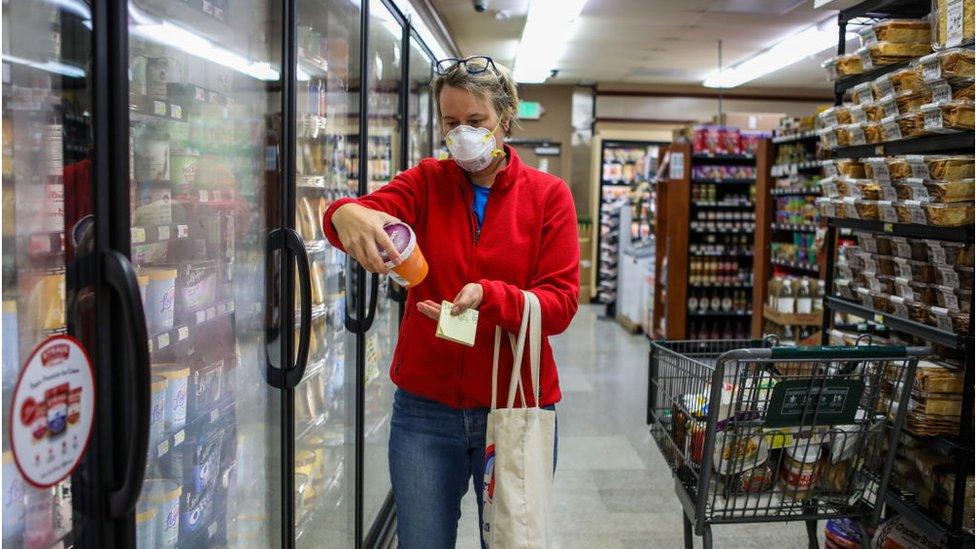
[{"x": 476, "y": 231}]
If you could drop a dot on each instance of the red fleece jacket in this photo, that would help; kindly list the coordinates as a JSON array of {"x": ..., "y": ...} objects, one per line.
[{"x": 528, "y": 241}]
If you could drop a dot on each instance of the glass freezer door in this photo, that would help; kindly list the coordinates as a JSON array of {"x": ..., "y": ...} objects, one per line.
[
  {"x": 327, "y": 163},
  {"x": 419, "y": 103},
  {"x": 204, "y": 108},
  {"x": 47, "y": 202},
  {"x": 385, "y": 58}
]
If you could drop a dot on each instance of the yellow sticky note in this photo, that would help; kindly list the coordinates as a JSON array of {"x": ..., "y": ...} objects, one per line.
[{"x": 459, "y": 329}]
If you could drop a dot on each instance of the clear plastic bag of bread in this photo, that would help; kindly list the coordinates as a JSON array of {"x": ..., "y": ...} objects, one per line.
[{"x": 946, "y": 28}]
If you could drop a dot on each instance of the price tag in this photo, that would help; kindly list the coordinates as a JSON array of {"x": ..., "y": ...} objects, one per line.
[
  {"x": 904, "y": 269},
  {"x": 163, "y": 340},
  {"x": 937, "y": 254},
  {"x": 879, "y": 169},
  {"x": 918, "y": 166},
  {"x": 867, "y": 36},
  {"x": 948, "y": 277},
  {"x": 867, "y": 63},
  {"x": 199, "y": 94},
  {"x": 179, "y": 437},
  {"x": 868, "y": 243},
  {"x": 850, "y": 207},
  {"x": 949, "y": 299},
  {"x": 212, "y": 529},
  {"x": 886, "y": 211},
  {"x": 888, "y": 193},
  {"x": 933, "y": 117},
  {"x": 916, "y": 212},
  {"x": 162, "y": 448},
  {"x": 204, "y": 195},
  {"x": 890, "y": 106},
  {"x": 856, "y": 134},
  {"x": 201, "y": 316},
  {"x": 159, "y": 108},
  {"x": 955, "y": 16},
  {"x": 941, "y": 92},
  {"x": 183, "y": 333},
  {"x": 892, "y": 131},
  {"x": 207, "y": 7},
  {"x": 863, "y": 93},
  {"x": 830, "y": 168},
  {"x": 163, "y": 232},
  {"x": 219, "y": 14},
  {"x": 176, "y": 111},
  {"x": 899, "y": 306},
  {"x": 931, "y": 68},
  {"x": 885, "y": 86},
  {"x": 942, "y": 318},
  {"x": 212, "y": 97},
  {"x": 182, "y": 231},
  {"x": 858, "y": 115},
  {"x": 137, "y": 235},
  {"x": 902, "y": 249}
]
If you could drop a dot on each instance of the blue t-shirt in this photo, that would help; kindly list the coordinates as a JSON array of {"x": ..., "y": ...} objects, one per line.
[{"x": 479, "y": 202}]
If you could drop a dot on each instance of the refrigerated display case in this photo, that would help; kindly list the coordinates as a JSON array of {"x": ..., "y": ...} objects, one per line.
[{"x": 176, "y": 249}]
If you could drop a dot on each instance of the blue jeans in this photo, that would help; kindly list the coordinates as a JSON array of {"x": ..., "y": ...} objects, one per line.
[{"x": 434, "y": 452}]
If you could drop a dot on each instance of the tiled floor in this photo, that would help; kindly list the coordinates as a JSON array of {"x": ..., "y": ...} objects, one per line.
[{"x": 612, "y": 488}]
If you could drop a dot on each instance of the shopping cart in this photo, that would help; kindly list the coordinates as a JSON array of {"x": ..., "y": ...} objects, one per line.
[{"x": 754, "y": 432}]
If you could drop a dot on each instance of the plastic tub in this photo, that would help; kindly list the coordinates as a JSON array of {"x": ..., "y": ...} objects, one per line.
[
  {"x": 178, "y": 378},
  {"x": 164, "y": 496},
  {"x": 145, "y": 526},
  {"x": 800, "y": 471},
  {"x": 160, "y": 294},
  {"x": 413, "y": 266},
  {"x": 157, "y": 415}
]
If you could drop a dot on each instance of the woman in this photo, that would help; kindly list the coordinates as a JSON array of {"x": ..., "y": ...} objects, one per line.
[{"x": 489, "y": 227}]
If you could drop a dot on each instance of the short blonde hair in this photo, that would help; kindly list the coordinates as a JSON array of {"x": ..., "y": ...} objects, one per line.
[{"x": 494, "y": 84}]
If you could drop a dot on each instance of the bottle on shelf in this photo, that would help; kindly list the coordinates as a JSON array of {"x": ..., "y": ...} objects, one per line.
[
  {"x": 818, "y": 298},
  {"x": 804, "y": 300},
  {"x": 787, "y": 300}
]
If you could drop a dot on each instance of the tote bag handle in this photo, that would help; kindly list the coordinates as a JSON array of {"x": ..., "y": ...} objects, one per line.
[{"x": 531, "y": 328}]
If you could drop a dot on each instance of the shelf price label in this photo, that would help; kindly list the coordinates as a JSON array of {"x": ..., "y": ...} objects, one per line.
[{"x": 183, "y": 333}]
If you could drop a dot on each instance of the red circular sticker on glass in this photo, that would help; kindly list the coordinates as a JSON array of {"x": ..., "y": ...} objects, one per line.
[{"x": 53, "y": 409}]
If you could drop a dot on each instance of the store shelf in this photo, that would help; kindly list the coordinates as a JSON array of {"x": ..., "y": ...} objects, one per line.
[
  {"x": 924, "y": 331},
  {"x": 802, "y": 136},
  {"x": 706, "y": 158},
  {"x": 740, "y": 285},
  {"x": 952, "y": 234},
  {"x": 722, "y": 255},
  {"x": 783, "y": 319},
  {"x": 703, "y": 181},
  {"x": 795, "y": 191},
  {"x": 906, "y": 506},
  {"x": 800, "y": 266},
  {"x": 795, "y": 227},
  {"x": 949, "y": 142},
  {"x": 143, "y": 106},
  {"x": 848, "y": 82},
  {"x": 718, "y": 314},
  {"x": 696, "y": 227},
  {"x": 147, "y": 234},
  {"x": 882, "y": 8},
  {"x": 179, "y": 334},
  {"x": 706, "y": 204},
  {"x": 783, "y": 170}
]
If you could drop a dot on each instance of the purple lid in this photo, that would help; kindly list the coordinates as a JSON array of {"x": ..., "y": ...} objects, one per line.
[{"x": 402, "y": 236}]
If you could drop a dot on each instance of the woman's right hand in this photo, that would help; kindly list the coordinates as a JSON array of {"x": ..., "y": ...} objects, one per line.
[{"x": 361, "y": 233}]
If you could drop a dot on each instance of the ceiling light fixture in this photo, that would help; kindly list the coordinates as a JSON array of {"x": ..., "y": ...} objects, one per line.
[
  {"x": 791, "y": 49},
  {"x": 548, "y": 27}
]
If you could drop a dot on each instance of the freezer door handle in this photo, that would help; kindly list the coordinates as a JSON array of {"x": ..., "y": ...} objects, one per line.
[
  {"x": 121, "y": 277},
  {"x": 290, "y": 241},
  {"x": 353, "y": 324}
]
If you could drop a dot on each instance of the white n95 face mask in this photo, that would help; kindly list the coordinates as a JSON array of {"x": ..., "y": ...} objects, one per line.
[{"x": 472, "y": 148}]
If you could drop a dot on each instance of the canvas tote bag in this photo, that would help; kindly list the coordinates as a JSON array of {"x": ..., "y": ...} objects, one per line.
[{"x": 519, "y": 449}]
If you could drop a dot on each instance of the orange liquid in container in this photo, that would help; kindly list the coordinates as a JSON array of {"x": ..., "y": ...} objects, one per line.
[{"x": 413, "y": 267}]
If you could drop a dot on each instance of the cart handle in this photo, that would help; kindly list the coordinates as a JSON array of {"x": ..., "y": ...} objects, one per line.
[{"x": 845, "y": 352}]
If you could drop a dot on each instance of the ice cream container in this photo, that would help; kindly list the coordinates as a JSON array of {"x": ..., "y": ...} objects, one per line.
[
  {"x": 145, "y": 526},
  {"x": 164, "y": 496},
  {"x": 160, "y": 299},
  {"x": 178, "y": 377},
  {"x": 183, "y": 170},
  {"x": 197, "y": 286},
  {"x": 413, "y": 267},
  {"x": 157, "y": 414},
  {"x": 143, "y": 281}
]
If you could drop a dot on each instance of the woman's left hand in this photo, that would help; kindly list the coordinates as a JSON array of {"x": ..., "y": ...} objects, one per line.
[{"x": 469, "y": 297}]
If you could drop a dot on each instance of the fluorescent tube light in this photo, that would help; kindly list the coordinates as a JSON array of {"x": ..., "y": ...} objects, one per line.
[
  {"x": 418, "y": 24},
  {"x": 792, "y": 49},
  {"x": 548, "y": 26},
  {"x": 53, "y": 67}
]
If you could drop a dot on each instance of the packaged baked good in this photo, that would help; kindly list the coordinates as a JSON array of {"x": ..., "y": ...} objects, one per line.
[
  {"x": 873, "y": 132},
  {"x": 954, "y": 63},
  {"x": 939, "y": 377},
  {"x": 941, "y": 215},
  {"x": 877, "y": 283},
  {"x": 877, "y": 167},
  {"x": 902, "y": 126},
  {"x": 914, "y": 290},
  {"x": 827, "y": 206},
  {"x": 870, "y": 189},
  {"x": 844, "y": 288},
  {"x": 953, "y": 277},
  {"x": 936, "y": 404},
  {"x": 877, "y": 264},
  {"x": 842, "y": 65},
  {"x": 889, "y": 53},
  {"x": 851, "y": 134},
  {"x": 873, "y": 111},
  {"x": 898, "y": 82},
  {"x": 949, "y": 320},
  {"x": 947, "y": 117},
  {"x": 949, "y": 253},
  {"x": 905, "y": 102},
  {"x": 835, "y": 116},
  {"x": 952, "y": 22},
  {"x": 943, "y": 91},
  {"x": 871, "y": 299},
  {"x": 843, "y": 167},
  {"x": 954, "y": 299},
  {"x": 875, "y": 243},
  {"x": 899, "y": 31},
  {"x": 860, "y": 208},
  {"x": 919, "y": 271},
  {"x": 887, "y": 210},
  {"x": 906, "y": 308},
  {"x": 932, "y": 166},
  {"x": 936, "y": 191},
  {"x": 831, "y": 138},
  {"x": 910, "y": 248}
]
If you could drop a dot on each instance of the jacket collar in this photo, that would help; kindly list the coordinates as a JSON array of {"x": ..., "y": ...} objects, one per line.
[{"x": 505, "y": 177}]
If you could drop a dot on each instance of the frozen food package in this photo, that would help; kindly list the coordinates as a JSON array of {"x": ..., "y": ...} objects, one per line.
[
  {"x": 842, "y": 65},
  {"x": 954, "y": 63},
  {"x": 899, "y": 81},
  {"x": 947, "y": 117},
  {"x": 952, "y": 22},
  {"x": 899, "y": 31}
]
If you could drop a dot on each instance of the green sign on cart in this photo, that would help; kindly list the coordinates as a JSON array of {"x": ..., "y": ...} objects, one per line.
[{"x": 808, "y": 402}]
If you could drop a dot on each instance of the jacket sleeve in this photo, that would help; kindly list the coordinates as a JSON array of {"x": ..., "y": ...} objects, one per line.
[
  {"x": 399, "y": 198},
  {"x": 556, "y": 278}
]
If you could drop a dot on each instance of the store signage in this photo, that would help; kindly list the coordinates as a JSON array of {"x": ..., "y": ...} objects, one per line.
[
  {"x": 530, "y": 110},
  {"x": 52, "y": 411}
]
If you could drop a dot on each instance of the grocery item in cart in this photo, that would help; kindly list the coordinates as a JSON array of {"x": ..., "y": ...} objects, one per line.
[
  {"x": 800, "y": 471},
  {"x": 842, "y": 65},
  {"x": 952, "y": 22},
  {"x": 898, "y": 533},
  {"x": 955, "y": 63}
]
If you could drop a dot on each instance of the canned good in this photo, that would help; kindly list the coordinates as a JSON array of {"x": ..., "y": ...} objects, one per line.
[{"x": 413, "y": 266}]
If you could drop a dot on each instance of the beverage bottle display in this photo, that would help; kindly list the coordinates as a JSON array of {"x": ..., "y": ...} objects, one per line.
[
  {"x": 703, "y": 304},
  {"x": 787, "y": 301},
  {"x": 726, "y": 303},
  {"x": 716, "y": 302},
  {"x": 804, "y": 301},
  {"x": 693, "y": 302},
  {"x": 818, "y": 298},
  {"x": 775, "y": 287}
]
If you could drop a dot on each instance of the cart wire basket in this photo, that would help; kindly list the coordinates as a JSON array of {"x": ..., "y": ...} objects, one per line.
[{"x": 754, "y": 432}]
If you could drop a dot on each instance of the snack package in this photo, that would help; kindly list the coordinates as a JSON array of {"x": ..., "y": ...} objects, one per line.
[
  {"x": 947, "y": 117},
  {"x": 954, "y": 63},
  {"x": 943, "y": 91},
  {"x": 936, "y": 191},
  {"x": 898, "y": 31},
  {"x": 835, "y": 116},
  {"x": 952, "y": 22},
  {"x": 889, "y": 53},
  {"x": 842, "y": 65},
  {"x": 897, "y": 82},
  {"x": 929, "y": 167},
  {"x": 902, "y": 126}
]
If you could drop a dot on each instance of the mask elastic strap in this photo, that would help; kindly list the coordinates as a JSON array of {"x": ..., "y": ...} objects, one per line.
[{"x": 495, "y": 153}]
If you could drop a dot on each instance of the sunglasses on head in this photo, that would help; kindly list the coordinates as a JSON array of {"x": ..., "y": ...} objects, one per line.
[{"x": 473, "y": 65}]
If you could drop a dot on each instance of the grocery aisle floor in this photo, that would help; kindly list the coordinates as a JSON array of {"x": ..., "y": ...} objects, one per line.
[{"x": 613, "y": 489}]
